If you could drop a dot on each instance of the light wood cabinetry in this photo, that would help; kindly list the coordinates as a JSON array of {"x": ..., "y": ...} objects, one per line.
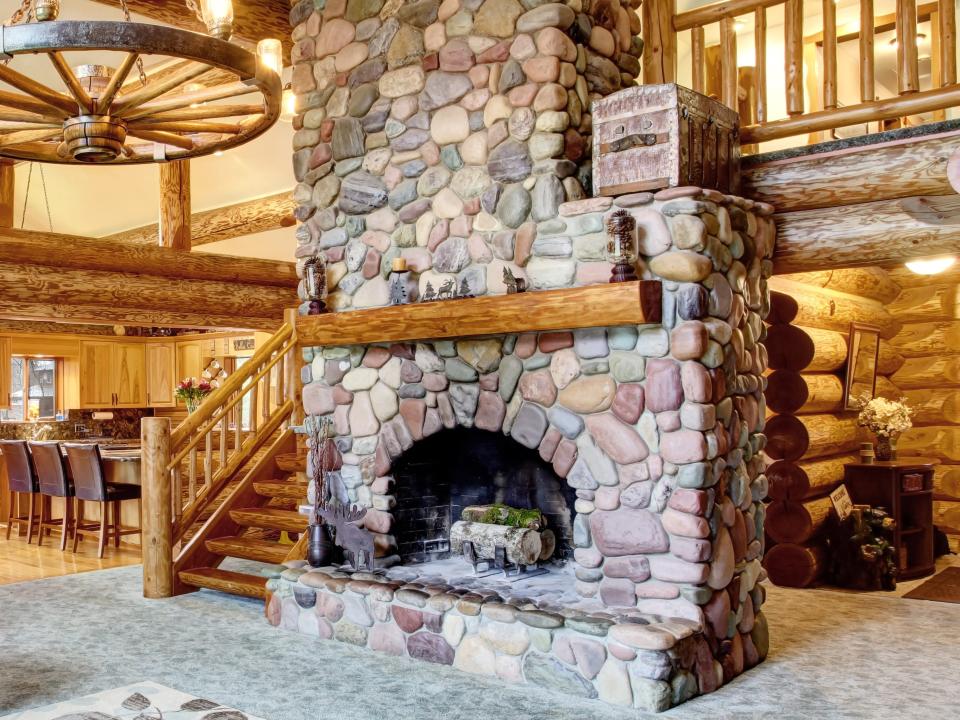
[
  {"x": 112, "y": 374},
  {"x": 6, "y": 346},
  {"x": 130, "y": 375},
  {"x": 161, "y": 363}
]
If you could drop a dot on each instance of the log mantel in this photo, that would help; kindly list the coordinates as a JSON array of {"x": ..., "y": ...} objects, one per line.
[{"x": 629, "y": 303}]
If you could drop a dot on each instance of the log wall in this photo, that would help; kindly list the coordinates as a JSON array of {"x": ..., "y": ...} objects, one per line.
[
  {"x": 810, "y": 436},
  {"x": 929, "y": 341}
]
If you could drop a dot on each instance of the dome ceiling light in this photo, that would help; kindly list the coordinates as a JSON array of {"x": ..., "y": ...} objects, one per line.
[{"x": 102, "y": 120}]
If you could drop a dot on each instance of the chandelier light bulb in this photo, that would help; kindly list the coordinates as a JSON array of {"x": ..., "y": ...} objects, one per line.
[
  {"x": 46, "y": 10},
  {"x": 218, "y": 17},
  {"x": 270, "y": 52},
  {"x": 931, "y": 266},
  {"x": 288, "y": 106}
]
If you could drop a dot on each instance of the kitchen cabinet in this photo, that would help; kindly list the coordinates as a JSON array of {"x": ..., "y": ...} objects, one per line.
[
  {"x": 190, "y": 359},
  {"x": 112, "y": 374},
  {"x": 161, "y": 363},
  {"x": 6, "y": 350}
]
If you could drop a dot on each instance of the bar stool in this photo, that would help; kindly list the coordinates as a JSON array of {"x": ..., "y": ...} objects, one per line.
[
  {"x": 22, "y": 479},
  {"x": 54, "y": 482},
  {"x": 90, "y": 485}
]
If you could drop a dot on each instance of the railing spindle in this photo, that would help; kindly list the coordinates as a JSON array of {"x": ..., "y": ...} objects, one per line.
[
  {"x": 659, "y": 41},
  {"x": 760, "y": 74},
  {"x": 867, "y": 87},
  {"x": 696, "y": 58},
  {"x": 728, "y": 63},
  {"x": 192, "y": 476},
  {"x": 208, "y": 460},
  {"x": 254, "y": 407},
  {"x": 793, "y": 55},
  {"x": 224, "y": 439},
  {"x": 177, "y": 493},
  {"x": 829, "y": 55},
  {"x": 908, "y": 70},
  {"x": 948, "y": 42}
]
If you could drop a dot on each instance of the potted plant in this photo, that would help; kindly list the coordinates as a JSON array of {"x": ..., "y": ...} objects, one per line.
[
  {"x": 887, "y": 419},
  {"x": 192, "y": 392},
  {"x": 320, "y": 548}
]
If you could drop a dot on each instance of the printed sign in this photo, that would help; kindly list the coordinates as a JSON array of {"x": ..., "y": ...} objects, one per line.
[
  {"x": 244, "y": 344},
  {"x": 842, "y": 502}
]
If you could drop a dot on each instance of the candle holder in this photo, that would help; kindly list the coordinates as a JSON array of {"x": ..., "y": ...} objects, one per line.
[
  {"x": 315, "y": 284},
  {"x": 622, "y": 246}
]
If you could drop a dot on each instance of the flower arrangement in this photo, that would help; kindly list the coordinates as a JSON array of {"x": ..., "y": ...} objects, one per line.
[
  {"x": 884, "y": 417},
  {"x": 192, "y": 392}
]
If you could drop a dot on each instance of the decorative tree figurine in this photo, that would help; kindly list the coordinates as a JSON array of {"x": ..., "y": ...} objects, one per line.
[
  {"x": 429, "y": 294},
  {"x": 464, "y": 291}
]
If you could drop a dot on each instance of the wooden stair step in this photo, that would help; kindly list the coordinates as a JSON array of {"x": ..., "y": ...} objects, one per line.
[
  {"x": 292, "y": 462},
  {"x": 272, "y": 518},
  {"x": 249, "y": 548},
  {"x": 228, "y": 581},
  {"x": 282, "y": 489}
]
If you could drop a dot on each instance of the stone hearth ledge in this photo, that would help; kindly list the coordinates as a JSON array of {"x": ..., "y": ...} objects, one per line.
[{"x": 621, "y": 656}]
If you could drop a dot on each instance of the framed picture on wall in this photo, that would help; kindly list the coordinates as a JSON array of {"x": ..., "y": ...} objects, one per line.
[{"x": 862, "y": 354}]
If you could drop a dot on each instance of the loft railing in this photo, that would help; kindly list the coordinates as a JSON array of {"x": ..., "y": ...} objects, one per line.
[
  {"x": 185, "y": 470},
  {"x": 748, "y": 92}
]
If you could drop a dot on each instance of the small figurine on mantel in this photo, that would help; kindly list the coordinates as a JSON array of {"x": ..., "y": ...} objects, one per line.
[
  {"x": 513, "y": 283},
  {"x": 315, "y": 284},
  {"x": 403, "y": 286},
  {"x": 622, "y": 247},
  {"x": 448, "y": 291}
]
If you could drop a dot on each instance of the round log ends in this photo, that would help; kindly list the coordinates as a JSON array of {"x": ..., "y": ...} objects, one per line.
[
  {"x": 787, "y": 438},
  {"x": 797, "y": 566}
]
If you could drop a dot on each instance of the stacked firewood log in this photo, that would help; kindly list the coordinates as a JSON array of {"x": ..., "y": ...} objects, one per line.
[{"x": 809, "y": 435}]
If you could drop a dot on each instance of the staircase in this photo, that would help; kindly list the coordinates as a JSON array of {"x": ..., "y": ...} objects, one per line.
[{"x": 227, "y": 482}]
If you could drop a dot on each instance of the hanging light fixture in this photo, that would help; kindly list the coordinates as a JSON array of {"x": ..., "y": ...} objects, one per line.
[
  {"x": 98, "y": 117},
  {"x": 288, "y": 109}
]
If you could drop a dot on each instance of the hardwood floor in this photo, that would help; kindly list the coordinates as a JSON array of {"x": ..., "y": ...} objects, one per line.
[{"x": 20, "y": 562}]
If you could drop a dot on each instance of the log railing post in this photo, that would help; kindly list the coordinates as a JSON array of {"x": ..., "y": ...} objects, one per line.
[
  {"x": 829, "y": 55},
  {"x": 908, "y": 71},
  {"x": 793, "y": 55},
  {"x": 760, "y": 74},
  {"x": 867, "y": 87},
  {"x": 659, "y": 42},
  {"x": 697, "y": 47},
  {"x": 728, "y": 63},
  {"x": 157, "y": 542},
  {"x": 947, "y": 17},
  {"x": 292, "y": 385}
]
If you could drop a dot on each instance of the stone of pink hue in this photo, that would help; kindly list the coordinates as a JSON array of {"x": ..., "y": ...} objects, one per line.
[
  {"x": 491, "y": 410},
  {"x": 475, "y": 99},
  {"x": 550, "y": 97},
  {"x": 523, "y": 95},
  {"x": 672, "y": 569},
  {"x": 408, "y": 619},
  {"x": 435, "y": 382},
  {"x": 552, "y": 41},
  {"x": 410, "y": 372},
  {"x": 657, "y": 589},
  {"x": 564, "y": 457},
  {"x": 589, "y": 394},
  {"x": 371, "y": 264},
  {"x": 522, "y": 47},
  {"x": 471, "y": 206},
  {"x": 564, "y": 367},
  {"x": 621, "y": 442},
  {"x": 723, "y": 561},
  {"x": 341, "y": 420},
  {"x": 377, "y": 521},
  {"x": 418, "y": 259},
  {"x": 607, "y": 498},
  {"x": 668, "y": 421},
  {"x": 631, "y": 567},
  {"x": 456, "y": 56},
  {"x": 490, "y": 381},
  {"x": 479, "y": 75},
  {"x": 748, "y": 616},
  {"x": 538, "y": 387},
  {"x": 621, "y": 652},
  {"x": 478, "y": 248},
  {"x": 663, "y": 388},
  {"x": 413, "y": 413},
  {"x": 495, "y": 53},
  {"x": 542, "y": 69},
  {"x": 341, "y": 396},
  {"x": 322, "y": 153},
  {"x": 562, "y": 649},
  {"x": 593, "y": 273},
  {"x": 553, "y": 341},
  {"x": 691, "y": 549},
  {"x": 381, "y": 486},
  {"x": 523, "y": 245},
  {"x": 461, "y": 226},
  {"x": 363, "y": 421},
  {"x": 430, "y": 153},
  {"x": 376, "y": 357},
  {"x": 317, "y": 399},
  {"x": 387, "y": 638},
  {"x": 628, "y": 532},
  {"x": 617, "y": 592},
  {"x": 688, "y": 340},
  {"x": 637, "y": 495},
  {"x": 432, "y": 422},
  {"x": 628, "y": 402},
  {"x": 684, "y": 524},
  {"x": 590, "y": 654},
  {"x": 376, "y": 239},
  {"x": 548, "y": 446},
  {"x": 717, "y": 612},
  {"x": 588, "y": 557},
  {"x": 683, "y": 446},
  {"x": 690, "y": 501},
  {"x": 738, "y": 536},
  {"x": 526, "y": 346},
  {"x": 335, "y": 35}
]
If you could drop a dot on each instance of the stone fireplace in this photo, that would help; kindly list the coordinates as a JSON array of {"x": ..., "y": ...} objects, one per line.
[{"x": 456, "y": 135}]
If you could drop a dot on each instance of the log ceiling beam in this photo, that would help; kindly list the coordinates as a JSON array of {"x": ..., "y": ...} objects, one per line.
[
  {"x": 244, "y": 218},
  {"x": 7, "y": 186},
  {"x": 253, "y": 19}
]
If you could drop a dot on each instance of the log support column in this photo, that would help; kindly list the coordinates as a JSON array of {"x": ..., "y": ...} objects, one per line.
[
  {"x": 175, "y": 205},
  {"x": 157, "y": 548},
  {"x": 7, "y": 193}
]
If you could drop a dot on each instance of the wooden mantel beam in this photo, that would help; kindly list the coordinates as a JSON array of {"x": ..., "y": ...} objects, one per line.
[
  {"x": 244, "y": 218},
  {"x": 253, "y": 19}
]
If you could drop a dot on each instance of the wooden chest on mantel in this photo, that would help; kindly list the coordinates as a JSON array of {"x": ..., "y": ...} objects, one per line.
[{"x": 651, "y": 137}]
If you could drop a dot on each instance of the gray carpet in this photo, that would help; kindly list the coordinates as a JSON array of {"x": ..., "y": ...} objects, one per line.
[{"x": 835, "y": 655}]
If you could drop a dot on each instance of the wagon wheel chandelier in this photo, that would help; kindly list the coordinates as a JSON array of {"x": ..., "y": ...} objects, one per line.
[{"x": 104, "y": 118}]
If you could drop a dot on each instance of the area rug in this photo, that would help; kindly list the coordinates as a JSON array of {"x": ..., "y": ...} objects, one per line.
[
  {"x": 942, "y": 587},
  {"x": 141, "y": 701}
]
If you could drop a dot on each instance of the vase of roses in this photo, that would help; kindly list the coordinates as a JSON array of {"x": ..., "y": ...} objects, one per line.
[
  {"x": 887, "y": 419},
  {"x": 192, "y": 392}
]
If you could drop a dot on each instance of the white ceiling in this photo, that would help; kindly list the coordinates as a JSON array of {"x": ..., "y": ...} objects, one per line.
[{"x": 96, "y": 201}]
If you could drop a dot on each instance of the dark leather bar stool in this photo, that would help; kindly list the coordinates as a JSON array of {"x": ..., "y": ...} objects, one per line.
[
  {"x": 54, "y": 482},
  {"x": 90, "y": 485},
  {"x": 22, "y": 480}
]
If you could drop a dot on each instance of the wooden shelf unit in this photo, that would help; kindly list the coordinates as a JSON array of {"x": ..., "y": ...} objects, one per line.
[
  {"x": 628, "y": 303},
  {"x": 881, "y": 485}
]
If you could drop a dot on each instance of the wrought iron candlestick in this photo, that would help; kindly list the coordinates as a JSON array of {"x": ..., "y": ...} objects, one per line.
[{"x": 622, "y": 248}]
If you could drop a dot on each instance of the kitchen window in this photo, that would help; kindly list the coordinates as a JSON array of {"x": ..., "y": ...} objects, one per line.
[{"x": 33, "y": 389}]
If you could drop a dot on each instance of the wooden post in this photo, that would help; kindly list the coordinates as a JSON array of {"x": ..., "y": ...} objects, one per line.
[
  {"x": 947, "y": 17},
  {"x": 175, "y": 205},
  {"x": 829, "y": 54},
  {"x": 908, "y": 72},
  {"x": 157, "y": 548},
  {"x": 659, "y": 42},
  {"x": 867, "y": 89},
  {"x": 793, "y": 55},
  {"x": 760, "y": 74},
  {"x": 728, "y": 66},
  {"x": 696, "y": 57},
  {"x": 291, "y": 371},
  {"x": 6, "y": 193}
]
